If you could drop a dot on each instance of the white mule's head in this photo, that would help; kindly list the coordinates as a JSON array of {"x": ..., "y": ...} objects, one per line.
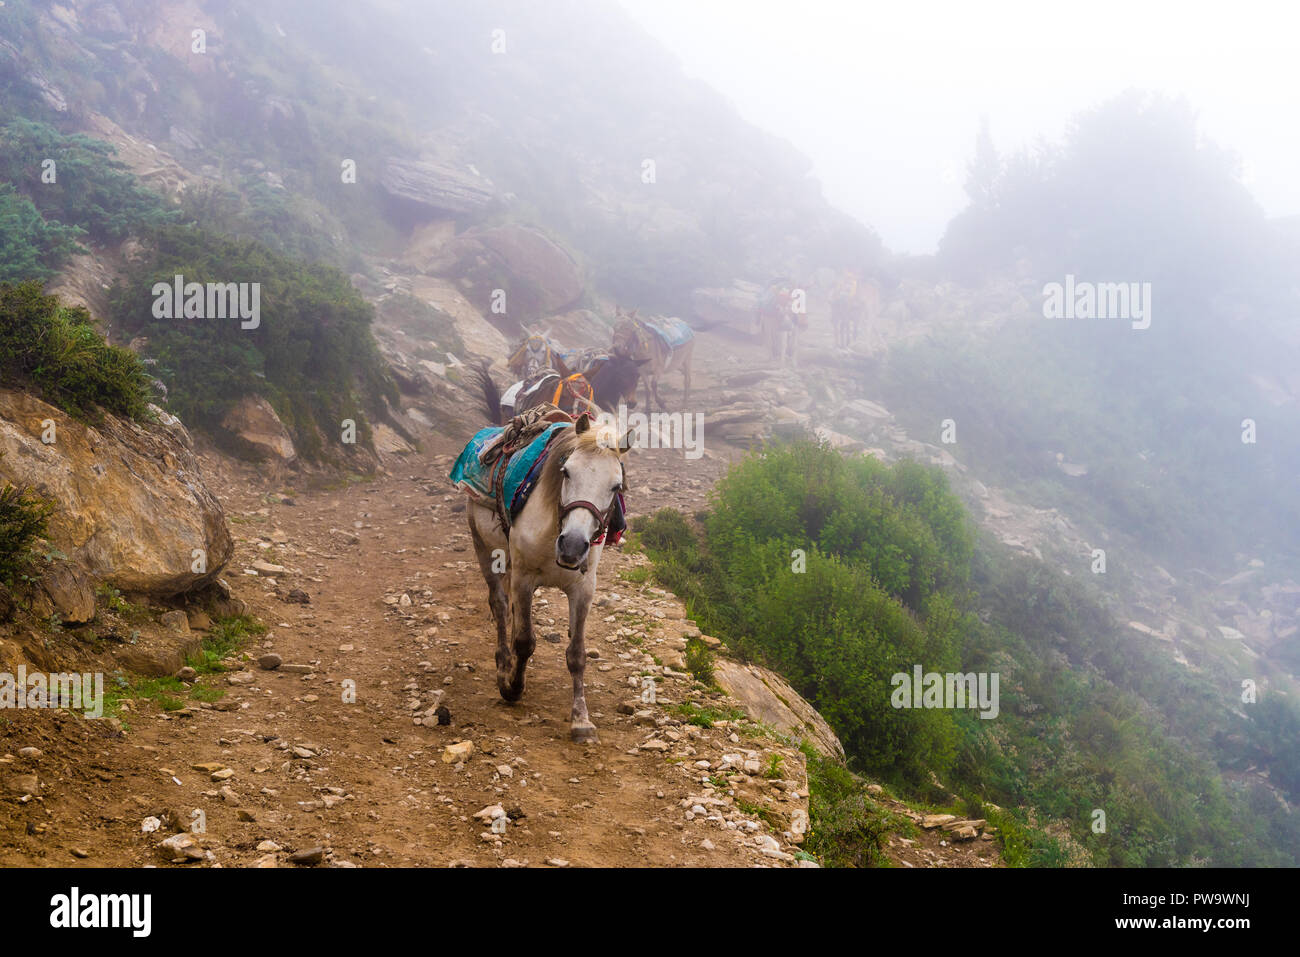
[{"x": 590, "y": 476}]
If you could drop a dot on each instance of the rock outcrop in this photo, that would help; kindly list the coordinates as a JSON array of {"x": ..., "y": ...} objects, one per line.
[
  {"x": 131, "y": 505},
  {"x": 766, "y": 697},
  {"x": 734, "y": 305},
  {"x": 71, "y": 592},
  {"x": 539, "y": 277},
  {"x": 433, "y": 188},
  {"x": 252, "y": 421}
]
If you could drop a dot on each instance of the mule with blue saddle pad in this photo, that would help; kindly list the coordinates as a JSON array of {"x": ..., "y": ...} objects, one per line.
[
  {"x": 544, "y": 498},
  {"x": 666, "y": 341}
]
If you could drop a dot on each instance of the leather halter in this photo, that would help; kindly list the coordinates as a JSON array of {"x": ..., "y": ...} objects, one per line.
[{"x": 602, "y": 518}]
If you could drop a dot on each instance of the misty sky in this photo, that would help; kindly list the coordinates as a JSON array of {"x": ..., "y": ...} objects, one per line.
[{"x": 886, "y": 98}]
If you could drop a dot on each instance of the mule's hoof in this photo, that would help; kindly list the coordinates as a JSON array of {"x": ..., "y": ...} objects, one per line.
[
  {"x": 510, "y": 694},
  {"x": 584, "y": 734}
]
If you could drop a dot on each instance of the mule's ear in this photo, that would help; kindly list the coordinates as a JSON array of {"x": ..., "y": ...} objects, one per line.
[
  {"x": 641, "y": 362},
  {"x": 632, "y": 314},
  {"x": 627, "y": 441},
  {"x": 582, "y": 424}
]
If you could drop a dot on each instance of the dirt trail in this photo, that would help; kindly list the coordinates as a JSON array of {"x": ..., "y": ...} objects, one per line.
[
  {"x": 397, "y": 608},
  {"x": 283, "y": 764}
]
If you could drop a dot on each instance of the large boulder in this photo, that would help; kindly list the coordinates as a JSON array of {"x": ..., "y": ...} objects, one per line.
[
  {"x": 765, "y": 696},
  {"x": 432, "y": 188},
  {"x": 131, "y": 506},
  {"x": 538, "y": 276},
  {"x": 71, "y": 592},
  {"x": 253, "y": 422},
  {"x": 733, "y": 305}
]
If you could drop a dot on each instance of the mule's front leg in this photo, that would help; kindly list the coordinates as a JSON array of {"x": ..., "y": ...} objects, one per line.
[
  {"x": 580, "y": 727},
  {"x": 510, "y": 678}
]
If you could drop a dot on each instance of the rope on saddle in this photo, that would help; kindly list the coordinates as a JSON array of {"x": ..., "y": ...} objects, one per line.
[{"x": 518, "y": 435}]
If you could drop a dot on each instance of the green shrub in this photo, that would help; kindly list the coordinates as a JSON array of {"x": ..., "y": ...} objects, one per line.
[
  {"x": 846, "y": 827},
  {"x": 23, "y": 518},
  {"x": 31, "y": 248},
  {"x": 699, "y": 661},
  {"x": 57, "y": 350},
  {"x": 830, "y": 571},
  {"x": 89, "y": 189},
  {"x": 312, "y": 356}
]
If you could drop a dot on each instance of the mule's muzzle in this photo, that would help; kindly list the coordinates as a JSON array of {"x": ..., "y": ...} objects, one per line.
[{"x": 571, "y": 550}]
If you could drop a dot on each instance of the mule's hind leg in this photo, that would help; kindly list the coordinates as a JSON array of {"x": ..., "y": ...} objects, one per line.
[
  {"x": 510, "y": 680},
  {"x": 580, "y": 727},
  {"x": 496, "y": 572}
]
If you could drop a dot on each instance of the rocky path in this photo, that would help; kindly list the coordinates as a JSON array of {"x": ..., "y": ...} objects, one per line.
[
  {"x": 322, "y": 760},
  {"x": 324, "y": 747}
]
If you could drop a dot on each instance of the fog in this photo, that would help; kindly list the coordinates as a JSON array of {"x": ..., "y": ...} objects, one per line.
[{"x": 886, "y": 99}]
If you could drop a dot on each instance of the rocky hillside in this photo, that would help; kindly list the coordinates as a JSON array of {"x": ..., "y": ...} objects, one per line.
[{"x": 466, "y": 172}]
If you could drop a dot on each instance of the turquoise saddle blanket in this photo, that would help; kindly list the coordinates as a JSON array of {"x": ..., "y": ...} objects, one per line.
[
  {"x": 671, "y": 330},
  {"x": 472, "y": 475}
]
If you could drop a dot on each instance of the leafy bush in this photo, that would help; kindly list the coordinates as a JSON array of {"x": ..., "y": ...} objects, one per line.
[
  {"x": 23, "y": 517},
  {"x": 312, "y": 356},
  {"x": 891, "y": 574},
  {"x": 876, "y": 543},
  {"x": 31, "y": 248},
  {"x": 56, "y": 349},
  {"x": 89, "y": 188},
  {"x": 699, "y": 661},
  {"x": 846, "y": 827}
]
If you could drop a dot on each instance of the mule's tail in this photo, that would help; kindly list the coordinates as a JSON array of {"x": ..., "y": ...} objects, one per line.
[{"x": 479, "y": 377}]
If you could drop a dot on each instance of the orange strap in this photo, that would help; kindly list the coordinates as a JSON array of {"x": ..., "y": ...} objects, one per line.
[{"x": 587, "y": 395}]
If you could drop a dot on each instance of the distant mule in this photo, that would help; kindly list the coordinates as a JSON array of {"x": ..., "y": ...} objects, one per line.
[
  {"x": 854, "y": 302},
  {"x": 608, "y": 381},
  {"x": 537, "y": 351},
  {"x": 663, "y": 344},
  {"x": 778, "y": 324},
  {"x": 556, "y": 541}
]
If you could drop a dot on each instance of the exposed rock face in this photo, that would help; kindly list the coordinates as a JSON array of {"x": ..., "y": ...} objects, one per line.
[
  {"x": 12, "y": 64},
  {"x": 252, "y": 420},
  {"x": 767, "y": 698},
  {"x": 529, "y": 256},
  {"x": 71, "y": 592},
  {"x": 433, "y": 188},
  {"x": 538, "y": 276},
  {"x": 388, "y": 442},
  {"x": 131, "y": 505},
  {"x": 734, "y": 305},
  {"x": 579, "y": 328}
]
